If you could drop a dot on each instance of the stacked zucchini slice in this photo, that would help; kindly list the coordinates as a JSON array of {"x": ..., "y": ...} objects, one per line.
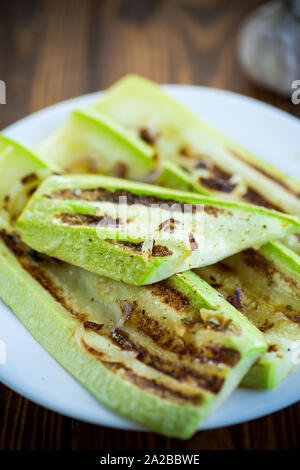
[{"x": 98, "y": 267}]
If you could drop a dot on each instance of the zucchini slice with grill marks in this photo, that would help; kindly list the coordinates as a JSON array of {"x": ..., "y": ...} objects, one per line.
[{"x": 140, "y": 233}]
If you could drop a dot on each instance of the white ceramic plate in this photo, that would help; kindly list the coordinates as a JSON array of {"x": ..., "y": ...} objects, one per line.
[{"x": 32, "y": 372}]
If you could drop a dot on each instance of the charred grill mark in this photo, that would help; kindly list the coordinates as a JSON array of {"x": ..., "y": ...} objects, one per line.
[
  {"x": 193, "y": 243},
  {"x": 292, "y": 314},
  {"x": 121, "y": 339},
  {"x": 255, "y": 198},
  {"x": 218, "y": 179},
  {"x": 201, "y": 164},
  {"x": 220, "y": 174},
  {"x": 168, "y": 225},
  {"x": 29, "y": 178},
  {"x": 13, "y": 242},
  {"x": 155, "y": 157},
  {"x": 31, "y": 191},
  {"x": 6, "y": 202},
  {"x": 35, "y": 256},
  {"x": 170, "y": 295},
  {"x": 190, "y": 322},
  {"x": 92, "y": 326},
  {"x": 148, "y": 135},
  {"x": 185, "y": 151},
  {"x": 120, "y": 170},
  {"x": 216, "y": 324},
  {"x": 91, "y": 350},
  {"x": 258, "y": 262},
  {"x": 222, "y": 354},
  {"x": 216, "y": 211},
  {"x": 236, "y": 299},
  {"x": 157, "y": 332},
  {"x": 105, "y": 195},
  {"x": 266, "y": 326},
  {"x": 217, "y": 184},
  {"x": 266, "y": 173},
  {"x": 89, "y": 220},
  {"x": 160, "y": 251}
]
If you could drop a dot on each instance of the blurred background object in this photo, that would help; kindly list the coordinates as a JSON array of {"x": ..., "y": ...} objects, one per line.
[
  {"x": 52, "y": 50},
  {"x": 269, "y": 45}
]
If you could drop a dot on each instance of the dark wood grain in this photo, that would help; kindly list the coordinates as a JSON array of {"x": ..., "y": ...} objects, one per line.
[{"x": 54, "y": 50}]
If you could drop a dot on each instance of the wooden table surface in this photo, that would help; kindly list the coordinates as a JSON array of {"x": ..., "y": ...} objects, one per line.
[{"x": 54, "y": 50}]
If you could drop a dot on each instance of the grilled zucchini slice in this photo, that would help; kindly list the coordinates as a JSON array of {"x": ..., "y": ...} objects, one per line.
[{"x": 140, "y": 233}]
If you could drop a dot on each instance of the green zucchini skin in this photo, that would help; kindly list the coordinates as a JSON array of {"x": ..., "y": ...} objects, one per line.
[{"x": 64, "y": 219}]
